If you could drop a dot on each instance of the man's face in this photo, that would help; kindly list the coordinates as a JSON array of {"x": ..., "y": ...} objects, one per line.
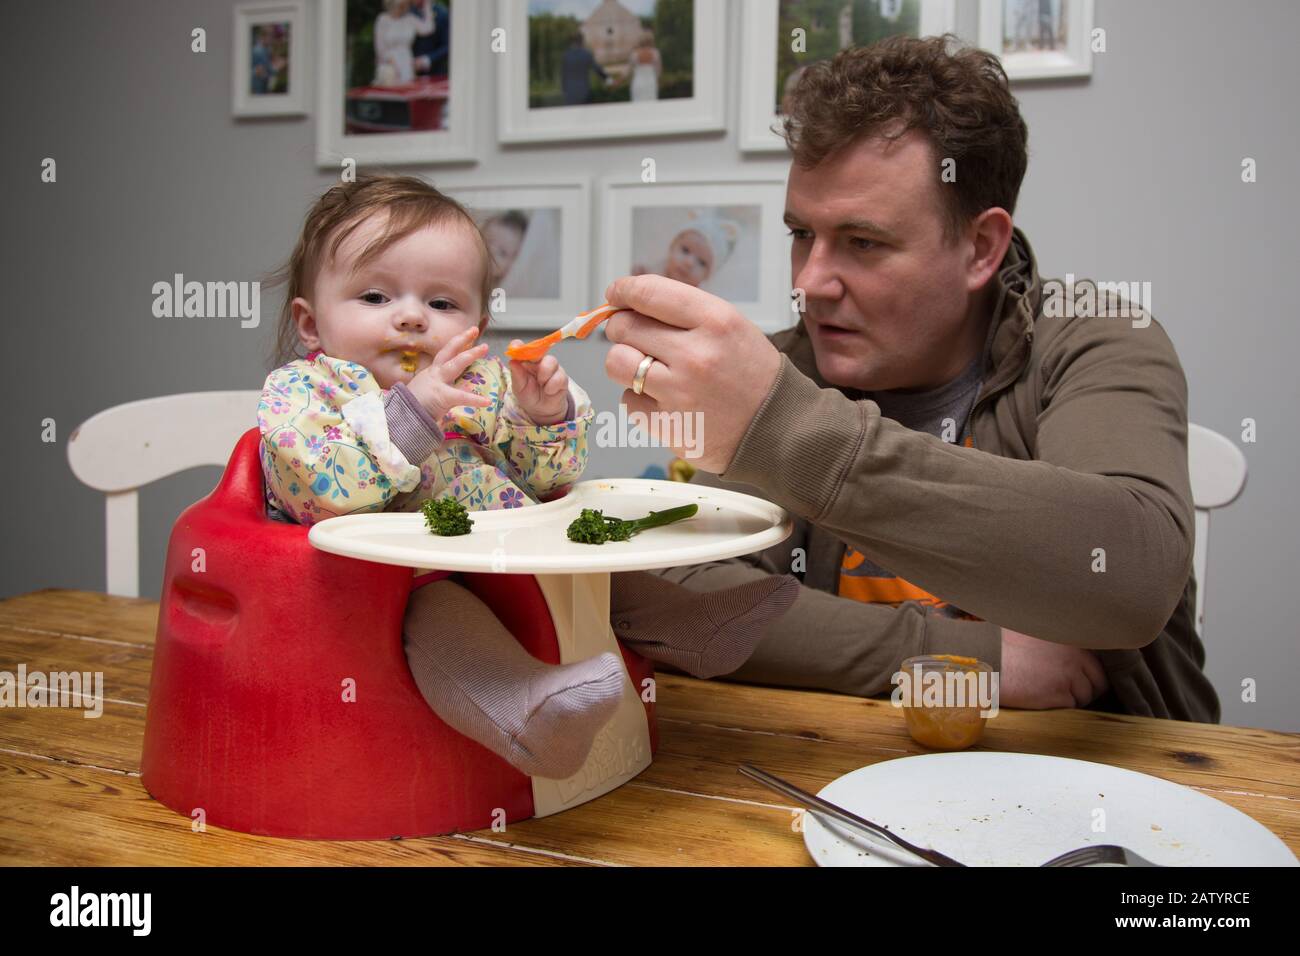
[
  {"x": 887, "y": 298},
  {"x": 417, "y": 295}
]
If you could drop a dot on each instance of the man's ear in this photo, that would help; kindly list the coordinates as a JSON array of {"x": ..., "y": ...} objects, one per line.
[
  {"x": 990, "y": 235},
  {"x": 305, "y": 319}
]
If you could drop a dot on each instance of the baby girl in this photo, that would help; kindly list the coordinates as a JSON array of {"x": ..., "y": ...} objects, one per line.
[
  {"x": 394, "y": 404},
  {"x": 702, "y": 246}
]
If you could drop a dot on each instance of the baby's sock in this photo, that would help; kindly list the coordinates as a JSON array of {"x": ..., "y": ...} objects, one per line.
[
  {"x": 541, "y": 718},
  {"x": 703, "y": 633}
]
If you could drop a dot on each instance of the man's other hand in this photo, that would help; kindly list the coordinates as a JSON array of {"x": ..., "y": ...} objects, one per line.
[{"x": 1037, "y": 675}]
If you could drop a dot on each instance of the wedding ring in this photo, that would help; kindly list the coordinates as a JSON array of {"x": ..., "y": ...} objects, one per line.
[{"x": 638, "y": 380}]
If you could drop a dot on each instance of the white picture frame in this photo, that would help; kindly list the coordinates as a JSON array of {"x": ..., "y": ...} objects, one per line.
[
  {"x": 771, "y": 307},
  {"x": 704, "y": 111},
  {"x": 454, "y": 144},
  {"x": 758, "y": 117},
  {"x": 572, "y": 197},
  {"x": 1073, "y": 60},
  {"x": 244, "y": 101}
]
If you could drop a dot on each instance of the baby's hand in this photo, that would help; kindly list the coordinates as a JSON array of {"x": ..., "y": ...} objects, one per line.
[
  {"x": 541, "y": 388},
  {"x": 434, "y": 387}
]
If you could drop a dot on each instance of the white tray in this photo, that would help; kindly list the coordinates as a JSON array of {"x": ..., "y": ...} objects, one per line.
[{"x": 532, "y": 540}]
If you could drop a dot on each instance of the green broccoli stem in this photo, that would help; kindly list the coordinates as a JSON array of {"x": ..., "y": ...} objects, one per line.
[{"x": 657, "y": 518}]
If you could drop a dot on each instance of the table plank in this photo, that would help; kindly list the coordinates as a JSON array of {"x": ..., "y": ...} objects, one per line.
[
  {"x": 108, "y": 819},
  {"x": 84, "y": 614},
  {"x": 1204, "y": 755}
]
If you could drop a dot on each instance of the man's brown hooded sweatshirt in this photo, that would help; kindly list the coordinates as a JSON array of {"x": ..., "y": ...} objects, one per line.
[{"x": 1079, "y": 463}]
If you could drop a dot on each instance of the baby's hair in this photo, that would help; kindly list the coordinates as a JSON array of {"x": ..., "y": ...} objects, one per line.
[{"x": 412, "y": 205}]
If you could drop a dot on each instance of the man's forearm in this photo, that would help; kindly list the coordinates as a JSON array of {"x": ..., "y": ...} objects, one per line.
[
  {"x": 838, "y": 644},
  {"x": 1011, "y": 541}
]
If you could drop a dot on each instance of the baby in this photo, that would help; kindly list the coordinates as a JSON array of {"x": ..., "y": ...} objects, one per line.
[
  {"x": 703, "y": 245},
  {"x": 394, "y": 404}
]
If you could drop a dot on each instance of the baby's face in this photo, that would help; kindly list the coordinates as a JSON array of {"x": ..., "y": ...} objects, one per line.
[
  {"x": 690, "y": 258},
  {"x": 417, "y": 295},
  {"x": 503, "y": 241}
]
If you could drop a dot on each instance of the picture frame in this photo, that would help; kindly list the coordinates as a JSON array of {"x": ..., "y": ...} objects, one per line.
[
  {"x": 759, "y": 116},
  {"x": 559, "y": 227},
  {"x": 276, "y": 34},
  {"x": 1006, "y": 25},
  {"x": 524, "y": 115},
  {"x": 757, "y": 266},
  {"x": 394, "y": 119}
]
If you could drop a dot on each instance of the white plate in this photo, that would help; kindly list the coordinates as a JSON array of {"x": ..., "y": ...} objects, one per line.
[
  {"x": 532, "y": 539},
  {"x": 986, "y": 808}
]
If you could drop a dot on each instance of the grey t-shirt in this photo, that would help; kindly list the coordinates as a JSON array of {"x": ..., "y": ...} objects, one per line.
[{"x": 942, "y": 412}]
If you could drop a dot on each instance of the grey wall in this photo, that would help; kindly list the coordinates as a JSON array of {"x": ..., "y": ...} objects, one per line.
[{"x": 1134, "y": 174}]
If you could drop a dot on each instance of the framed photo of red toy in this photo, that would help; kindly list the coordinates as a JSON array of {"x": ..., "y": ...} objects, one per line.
[{"x": 394, "y": 81}]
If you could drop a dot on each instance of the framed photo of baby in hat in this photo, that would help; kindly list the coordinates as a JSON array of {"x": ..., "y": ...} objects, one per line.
[
  {"x": 725, "y": 237},
  {"x": 395, "y": 81},
  {"x": 604, "y": 69},
  {"x": 781, "y": 38},
  {"x": 539, "y": 236}
]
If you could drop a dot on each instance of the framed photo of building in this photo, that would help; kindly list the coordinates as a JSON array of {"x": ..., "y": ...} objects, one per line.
[
  {"x": 1039, "y": 39},
  {"x": 725, "y": 237},
  {"x": 604, "y": 69},
  {"x": 395, "y": 81},
  {"x": 782, "y": 37},
  {"x": 269, "y": 74},
  {"x": 539, "y": 236}
]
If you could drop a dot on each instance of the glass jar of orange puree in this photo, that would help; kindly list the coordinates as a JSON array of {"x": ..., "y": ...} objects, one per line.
[{"x": 942, "y": 706}]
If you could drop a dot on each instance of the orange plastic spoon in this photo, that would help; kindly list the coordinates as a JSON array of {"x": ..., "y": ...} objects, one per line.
[{"x": 578, "y": 328}]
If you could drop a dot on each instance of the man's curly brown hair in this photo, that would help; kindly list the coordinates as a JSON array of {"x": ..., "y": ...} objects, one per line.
[{"x": 958, "y": 98}]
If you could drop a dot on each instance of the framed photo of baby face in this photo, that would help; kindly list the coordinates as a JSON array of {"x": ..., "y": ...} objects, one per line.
[
  {"x": 604, "y": 69},
  {"x": 724, "y": 237},
  {"x": 395, "y": 81},
  {"x": 782, "y": 37},
  {"x": 1039, "y": 39},
  {"x": 539, "y": 238},
  {"x": 269, "y": 77}
]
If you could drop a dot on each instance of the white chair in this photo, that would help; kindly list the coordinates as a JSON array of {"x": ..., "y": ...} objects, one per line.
[
  {"x": 124, "y": 448},
  {"x": 1218, "y": 472}
]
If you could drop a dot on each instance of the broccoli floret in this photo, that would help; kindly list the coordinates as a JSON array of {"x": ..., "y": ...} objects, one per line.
[
  {"x": 595, "y": 527},
  {"x": 446, "y": 516}
]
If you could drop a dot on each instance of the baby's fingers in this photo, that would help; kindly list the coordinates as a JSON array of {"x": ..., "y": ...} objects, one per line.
[
  {"x": 456, "y": 345},
  {"x": 455, "y": 366}
]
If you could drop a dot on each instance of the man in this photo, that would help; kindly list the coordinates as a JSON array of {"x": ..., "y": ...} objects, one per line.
[
  {"x": 969, "y": 473},
  {"x": 575, "y": 72}
]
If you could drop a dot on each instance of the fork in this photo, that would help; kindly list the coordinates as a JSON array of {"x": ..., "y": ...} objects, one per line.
[
  {"x": 577, "y": 328},
  {"x": 1100, "y": 855}
]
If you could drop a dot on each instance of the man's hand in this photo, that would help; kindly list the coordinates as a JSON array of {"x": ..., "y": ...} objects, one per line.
[
  {"x": 710, "y": 360},
  {"x": 1037, "y": 675}
]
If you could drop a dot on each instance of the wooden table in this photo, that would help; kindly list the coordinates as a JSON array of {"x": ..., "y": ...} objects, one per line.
[{"x": 689, "y": 807}]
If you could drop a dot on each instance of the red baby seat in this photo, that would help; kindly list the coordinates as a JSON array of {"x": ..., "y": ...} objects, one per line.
[{"x": 261, "y": 637}]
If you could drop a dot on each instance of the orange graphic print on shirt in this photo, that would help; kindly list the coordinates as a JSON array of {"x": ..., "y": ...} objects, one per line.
[{"x": 863, "y": 580}]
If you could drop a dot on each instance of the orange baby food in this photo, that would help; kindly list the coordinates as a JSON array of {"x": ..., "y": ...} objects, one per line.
[{"x": 955, "y": 724}]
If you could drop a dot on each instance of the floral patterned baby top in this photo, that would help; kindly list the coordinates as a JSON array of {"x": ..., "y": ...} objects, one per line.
[{"x": 335, "y": 443}]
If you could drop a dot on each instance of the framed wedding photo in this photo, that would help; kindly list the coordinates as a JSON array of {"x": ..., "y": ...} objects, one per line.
[
  {"x": 1039, "y": 39},
  {"x": 781, "y": 38},
  {"x": 606, "y": 69},
  {"x": 539, "y": 236},
  {"x": 725, "y": 237},
  {"x": 269, "y": 69},
  {"x": 395, "y": 81}
]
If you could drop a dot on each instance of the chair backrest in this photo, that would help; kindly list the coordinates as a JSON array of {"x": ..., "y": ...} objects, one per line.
[
  {"x": 123, "y": 448},
  {"x": 1217, "y": 469}
]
